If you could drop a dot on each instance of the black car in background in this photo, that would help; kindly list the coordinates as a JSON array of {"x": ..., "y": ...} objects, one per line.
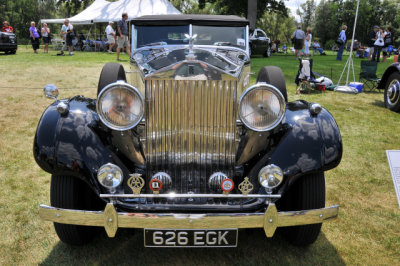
[
  {"x": 259, "y": 43},
  {"x": 8, "y": 43}
]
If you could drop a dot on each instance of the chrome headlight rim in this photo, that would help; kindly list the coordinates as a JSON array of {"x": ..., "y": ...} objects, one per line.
[
  {"x": 280, "y": 97},
  {"x": 120, "y": 83}
]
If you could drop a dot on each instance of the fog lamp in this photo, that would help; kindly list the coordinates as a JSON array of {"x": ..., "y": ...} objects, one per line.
[
  {"x": 110, "y": 176},
  {"x": 270, "y": 176}
]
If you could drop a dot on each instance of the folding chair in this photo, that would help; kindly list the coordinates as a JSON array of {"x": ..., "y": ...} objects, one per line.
[
  {"x": 305, "y": 78},
  {"x": 368, "y": 75}
]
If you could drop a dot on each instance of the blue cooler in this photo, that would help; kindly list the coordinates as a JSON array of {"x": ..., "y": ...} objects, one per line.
[{"x": 359, "y": 86}]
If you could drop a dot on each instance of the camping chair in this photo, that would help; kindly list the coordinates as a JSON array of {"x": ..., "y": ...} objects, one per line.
[
  {"x": 305, "y": 79},
  {"x": 368, "y": 75}
]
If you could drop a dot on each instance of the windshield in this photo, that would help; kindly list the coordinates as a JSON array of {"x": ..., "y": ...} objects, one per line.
[
  {"x": 222, "y": 36},
  {"x": 153, "y": 35}
]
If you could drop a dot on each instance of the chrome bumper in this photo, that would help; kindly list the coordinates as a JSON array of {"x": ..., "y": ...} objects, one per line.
[{"x": 112, "y": 220}]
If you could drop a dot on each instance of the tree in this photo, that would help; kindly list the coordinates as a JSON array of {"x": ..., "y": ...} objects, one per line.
[
  {"x": 74, "y": 6},
  {"x": 306, "y": 12},
  {"x": 278, "y": 25}
]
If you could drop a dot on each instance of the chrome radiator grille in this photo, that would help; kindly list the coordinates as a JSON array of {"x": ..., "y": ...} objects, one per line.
[{"x": 190, "y": 131}]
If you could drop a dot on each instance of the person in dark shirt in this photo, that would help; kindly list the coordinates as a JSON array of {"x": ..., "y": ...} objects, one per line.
[
  {"x": 371, "y": 41},
  {"x": 122, "y": 36}
]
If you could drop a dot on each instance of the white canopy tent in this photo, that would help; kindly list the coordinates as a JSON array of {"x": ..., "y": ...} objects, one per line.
[{"x": 103, "y": 11}]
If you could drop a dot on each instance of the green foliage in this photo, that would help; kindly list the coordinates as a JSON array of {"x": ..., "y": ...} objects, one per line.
[
  {"x": 277, "y": 25},
  {"x": 306, "y": 12},
  {"x": 72, "y": 7}
]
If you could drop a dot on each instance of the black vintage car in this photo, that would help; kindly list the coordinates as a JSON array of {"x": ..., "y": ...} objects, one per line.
[
  {"x": 183, "y": 147},
  {"x": 390, "y": 82},
  {"x": 8, "y": 43}
]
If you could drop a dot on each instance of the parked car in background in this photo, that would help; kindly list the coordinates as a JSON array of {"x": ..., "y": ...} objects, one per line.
[
  {"x": 8, "y": 43},
  {"x": 390, "y": 82},
  {"x": 260, "y": 43},
  {"x": 183, "y": 147}
]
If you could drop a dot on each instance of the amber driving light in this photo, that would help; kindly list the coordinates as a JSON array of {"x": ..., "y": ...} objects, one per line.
[
  {"x": 120, "y": 106},
  {"x": 261, "y": 107}
]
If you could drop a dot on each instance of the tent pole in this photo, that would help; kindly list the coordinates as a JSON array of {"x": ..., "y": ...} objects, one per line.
[{"x": 349, "y": 63}]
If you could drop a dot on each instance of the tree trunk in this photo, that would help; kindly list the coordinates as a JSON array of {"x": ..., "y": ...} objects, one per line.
[{"x": 252, "y": 13}]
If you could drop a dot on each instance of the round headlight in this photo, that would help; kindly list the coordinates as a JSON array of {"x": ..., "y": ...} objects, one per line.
[
  {"x": 120, "y": 106},
  {"x": 261, "y": 107},
  {"x": 110, "y": 176},
  {"x": 270, "y": 176}
]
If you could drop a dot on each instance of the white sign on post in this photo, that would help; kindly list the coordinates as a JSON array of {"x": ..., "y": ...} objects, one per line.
[{"x": 394, "y": 164}]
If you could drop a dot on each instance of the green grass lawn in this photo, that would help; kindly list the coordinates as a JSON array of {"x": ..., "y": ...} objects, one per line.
[{"x": 365, "y": 233}]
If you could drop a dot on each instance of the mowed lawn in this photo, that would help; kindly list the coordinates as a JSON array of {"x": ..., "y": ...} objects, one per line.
[{"x": 367, "y": 231}]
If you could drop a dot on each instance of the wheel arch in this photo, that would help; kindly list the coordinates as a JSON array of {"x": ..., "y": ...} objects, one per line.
[
  {"x": 303, "y": 145},
  {"x": 391, "y": 69}
]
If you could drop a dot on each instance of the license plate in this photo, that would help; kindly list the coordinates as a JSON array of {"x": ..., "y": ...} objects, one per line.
[{"x": 190, "y": 238}]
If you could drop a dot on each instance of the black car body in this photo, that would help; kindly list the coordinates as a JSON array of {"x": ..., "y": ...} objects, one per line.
[
  {"x": 260, "y": 43},
  {"x": 8, "y": 42},
  {"x": 188, "y": 150},
  {"x": 390, "y": 83}
]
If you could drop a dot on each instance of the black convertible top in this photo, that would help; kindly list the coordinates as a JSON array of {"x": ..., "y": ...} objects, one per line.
[{"x": 202, "y": 20}]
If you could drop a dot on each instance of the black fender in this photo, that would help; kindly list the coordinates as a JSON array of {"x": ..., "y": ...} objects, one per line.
[
  {"x": 305, "y": 143},
  {"x": 395, "y": 67},
  {"x": 74, "y": 144}
]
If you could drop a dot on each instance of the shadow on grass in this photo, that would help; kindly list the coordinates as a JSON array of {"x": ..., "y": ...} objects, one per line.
[
  {"x": 379, "y": 103},
  {"x": 253, "y": 249}
]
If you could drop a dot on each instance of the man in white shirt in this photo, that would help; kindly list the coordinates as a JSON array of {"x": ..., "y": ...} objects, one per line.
[
  {"x": 67, "y": 33},
  {"x": 110, "y": 36}
]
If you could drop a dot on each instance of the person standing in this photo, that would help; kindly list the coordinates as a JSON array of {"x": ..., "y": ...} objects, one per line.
[
  {"x": 7, "y": 27},
  {"x": 110, "y": 36},
  {"x": 35, "y": 36},
  {"x": 371, "y": 41},
  {"x": 67, "y": 33},
  {"x": 342, "y": 36},
  {"x": 378, "y": 45},
  {"x": 298, "y": 37},
  {"x": 46, "y": 37},
  {"x": 387, "y": 41},
  {"x": 307, "y": 42},
  {"x": 122, "y": 36}
]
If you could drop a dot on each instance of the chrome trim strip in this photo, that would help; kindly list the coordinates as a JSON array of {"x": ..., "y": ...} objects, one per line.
[
  {"x": 113, "y": 220},
  {"x": 173, "y": 195}
]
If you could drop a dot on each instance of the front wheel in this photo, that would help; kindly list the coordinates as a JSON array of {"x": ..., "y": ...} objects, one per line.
[
  {"x": 392, "y": 92},
  {"x": 307, "y": 193},
  {"x": 70, "y": 192},
  {"x": 267, "y": 52}
]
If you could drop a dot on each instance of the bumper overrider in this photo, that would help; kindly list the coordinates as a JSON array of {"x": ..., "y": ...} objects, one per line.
[{"x": 111, "y": 220}]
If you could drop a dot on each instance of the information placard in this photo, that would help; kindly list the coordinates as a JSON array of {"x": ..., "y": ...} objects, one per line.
[{"x": 394, "y": 164}]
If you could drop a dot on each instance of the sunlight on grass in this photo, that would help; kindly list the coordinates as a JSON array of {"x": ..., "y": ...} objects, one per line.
[{"x": 366, "y": 232}]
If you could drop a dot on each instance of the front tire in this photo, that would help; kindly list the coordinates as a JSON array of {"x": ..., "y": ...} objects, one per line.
[
  {"x": 391, "y": 94},
  {"x": 110, "y": 73},
  {"x": 69, "y": 192},
  {"x": 273, "y": 75},
  {"x": 307, "y": 193},
  {"x": 267, "y": 52}
]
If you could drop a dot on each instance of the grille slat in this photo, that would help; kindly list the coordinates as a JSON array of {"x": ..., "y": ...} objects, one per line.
[{"x": 190, "y": 130}]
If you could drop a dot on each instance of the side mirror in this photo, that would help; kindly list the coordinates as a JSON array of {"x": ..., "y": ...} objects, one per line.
[{"x": 51, "y": 91}]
